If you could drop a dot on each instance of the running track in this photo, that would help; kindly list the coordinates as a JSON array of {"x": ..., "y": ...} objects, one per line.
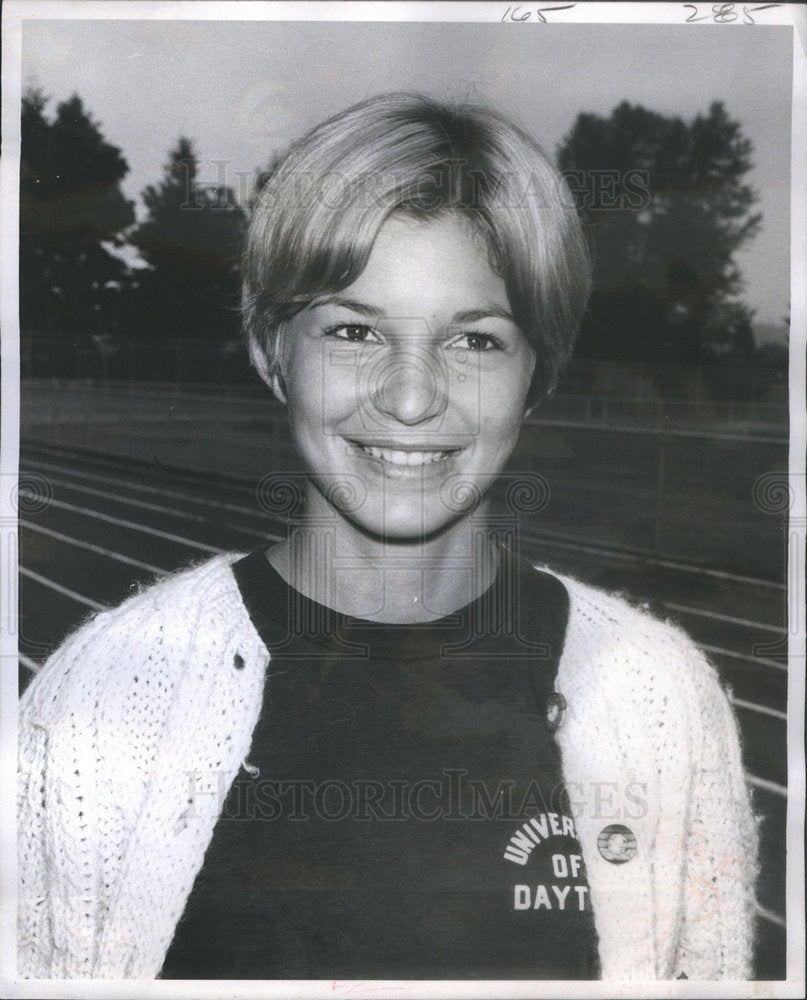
[{"x": 92, "y": 528}]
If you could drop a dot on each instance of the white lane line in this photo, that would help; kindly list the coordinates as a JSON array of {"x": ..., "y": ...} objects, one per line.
[
  {"x": 718, "y": 616},
  {"x": 169, "y": 394},
  {"x": 644, "y": 557},
  {"x": 769, "y": 915},
  {"x": 159, "y": 508},
  {"x": 768, "y": 786},
  {"x": 664, "y": 431},
  {"x": 33, "y": 665},
  {"x": 90, "y": 603},
  {"x": 98, "y": 549},
  {"x": 752, "y": 706},
  {"x": 543, "y": 539},
  {"x": 265, "y": 405},
  {"x": 145, "y": 488},
  {"x": 547, "y": 539},
  {"x": 756, "y": 660},
  {"x": 144, "y": 529}
]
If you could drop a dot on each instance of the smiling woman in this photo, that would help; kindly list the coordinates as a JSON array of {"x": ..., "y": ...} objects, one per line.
[
  {"x": 432, "y": 392},
  {"x": 387, "y": 746},
  {"x": 318, "y": 217}
]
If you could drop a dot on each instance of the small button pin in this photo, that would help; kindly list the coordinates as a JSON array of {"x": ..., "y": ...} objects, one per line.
[
  {"x": 555, "y": 707},
  {"x": 617, "y": 844}
]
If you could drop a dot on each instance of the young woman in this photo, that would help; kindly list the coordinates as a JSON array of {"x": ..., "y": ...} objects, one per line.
[{"x": 388, "y": 746}]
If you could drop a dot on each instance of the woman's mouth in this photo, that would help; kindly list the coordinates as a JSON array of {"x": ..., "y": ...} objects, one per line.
[{"x": 408, "y": 457}]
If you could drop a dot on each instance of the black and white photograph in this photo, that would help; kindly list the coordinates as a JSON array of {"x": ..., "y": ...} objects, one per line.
[{"x": 403, "y": 513}]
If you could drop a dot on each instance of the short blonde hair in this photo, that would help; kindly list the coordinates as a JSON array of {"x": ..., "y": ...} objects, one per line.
[{"x": 317, "y": 217}]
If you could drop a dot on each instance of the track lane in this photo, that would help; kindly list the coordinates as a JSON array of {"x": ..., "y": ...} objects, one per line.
[{"x": 730, "y": 614}]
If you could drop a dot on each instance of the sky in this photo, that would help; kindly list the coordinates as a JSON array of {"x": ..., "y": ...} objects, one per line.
[{"x": 243, "y": 90}]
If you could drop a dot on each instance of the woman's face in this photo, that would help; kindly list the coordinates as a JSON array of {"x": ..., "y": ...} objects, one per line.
[{"x": 407, "y": 389}]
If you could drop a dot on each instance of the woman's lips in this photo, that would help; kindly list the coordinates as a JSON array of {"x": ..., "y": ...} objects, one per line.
[
  {"x": 397, "y": 456},
  {"x": 394, "y": 455}
]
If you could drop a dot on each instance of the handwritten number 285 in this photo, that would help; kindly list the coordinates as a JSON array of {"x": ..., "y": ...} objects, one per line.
[{"x": 724, "y": 13}]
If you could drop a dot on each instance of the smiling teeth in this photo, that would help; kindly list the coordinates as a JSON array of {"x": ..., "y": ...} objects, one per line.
[{"x": 405, "y": 457}]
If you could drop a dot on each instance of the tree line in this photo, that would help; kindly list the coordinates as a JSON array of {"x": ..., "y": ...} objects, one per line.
[{"x": 666, "y": 203}]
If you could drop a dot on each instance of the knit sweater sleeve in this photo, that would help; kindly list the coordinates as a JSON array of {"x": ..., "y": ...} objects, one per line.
[
  {"x": 62, "y": 753},
  {"x": 107, "y": 732},
  {"x": 721, "y": 842},
  {"x": 646, "y": 712}
]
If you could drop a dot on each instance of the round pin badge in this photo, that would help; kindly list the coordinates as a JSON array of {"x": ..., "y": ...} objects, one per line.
[
  {"x": 555, "y": 707},
  {"x": 617, "y": 844}
]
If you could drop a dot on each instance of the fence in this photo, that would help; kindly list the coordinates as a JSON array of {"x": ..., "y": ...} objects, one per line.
[
  {"x": 651, "y": 393},
  {"x": 680, "y": 489}
]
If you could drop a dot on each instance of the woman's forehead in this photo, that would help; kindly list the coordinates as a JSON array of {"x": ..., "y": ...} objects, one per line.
[
  {"x": 409, "y": 250},
  {"x": 435, "y": 259}
]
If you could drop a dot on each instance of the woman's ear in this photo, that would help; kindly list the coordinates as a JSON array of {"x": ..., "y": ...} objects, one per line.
[
  {"x": 530, "y": 405},
  {"x": 277, "y": 385},
  {"x": 269, "y": 372}
]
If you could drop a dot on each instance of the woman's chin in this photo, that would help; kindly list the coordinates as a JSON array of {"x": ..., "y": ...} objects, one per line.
[{"x": 414, "y": 526}]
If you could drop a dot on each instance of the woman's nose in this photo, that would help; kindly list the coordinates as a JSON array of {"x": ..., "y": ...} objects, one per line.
[{"x": 411, "y": 386}]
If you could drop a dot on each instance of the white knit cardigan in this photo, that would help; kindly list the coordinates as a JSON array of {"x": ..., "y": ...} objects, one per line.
[{"x": 160, "y": 696}]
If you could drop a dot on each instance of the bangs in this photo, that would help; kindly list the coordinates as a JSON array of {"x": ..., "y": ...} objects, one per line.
[{"x": 317, "y": 217}]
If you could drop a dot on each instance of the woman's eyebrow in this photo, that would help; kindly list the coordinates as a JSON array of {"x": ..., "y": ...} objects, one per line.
[
  {"x": 488, "y": 312},
  {"x": 358, "y": 307},
  {"x": 465, "y": 316}
]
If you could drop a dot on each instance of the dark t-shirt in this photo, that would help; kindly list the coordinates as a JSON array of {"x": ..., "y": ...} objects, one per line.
[{"x": 401, "y": 814}]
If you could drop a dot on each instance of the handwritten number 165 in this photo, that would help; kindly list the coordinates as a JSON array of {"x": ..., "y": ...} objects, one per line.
[{"x": 516, "y": 13}]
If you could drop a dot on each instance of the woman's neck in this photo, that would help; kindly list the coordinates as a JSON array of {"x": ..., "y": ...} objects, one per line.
[{"x": 388, "y": 581}]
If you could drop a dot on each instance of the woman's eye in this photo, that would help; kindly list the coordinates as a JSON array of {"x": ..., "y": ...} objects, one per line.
[
  {"x": 475, "y": 342},
  {"x": 356, "y": 333}
]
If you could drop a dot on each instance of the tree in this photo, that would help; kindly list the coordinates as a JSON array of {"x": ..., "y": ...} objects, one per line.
[
  {"x": 71, "y": 211},
  {"x": 191, "y": 241},
  {"x": 668, "y": 208}
]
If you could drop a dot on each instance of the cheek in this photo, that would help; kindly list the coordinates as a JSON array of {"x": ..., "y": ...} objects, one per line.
[
  {"x": 303, "y": 373},
  {"x": 319, "y": 405},
  {"x": 504, "y": 434},
  {"x": 503, "y": 400}
]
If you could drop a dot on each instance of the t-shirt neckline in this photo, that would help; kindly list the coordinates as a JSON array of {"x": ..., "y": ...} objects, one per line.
[{"x": 278, "y": 611}]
